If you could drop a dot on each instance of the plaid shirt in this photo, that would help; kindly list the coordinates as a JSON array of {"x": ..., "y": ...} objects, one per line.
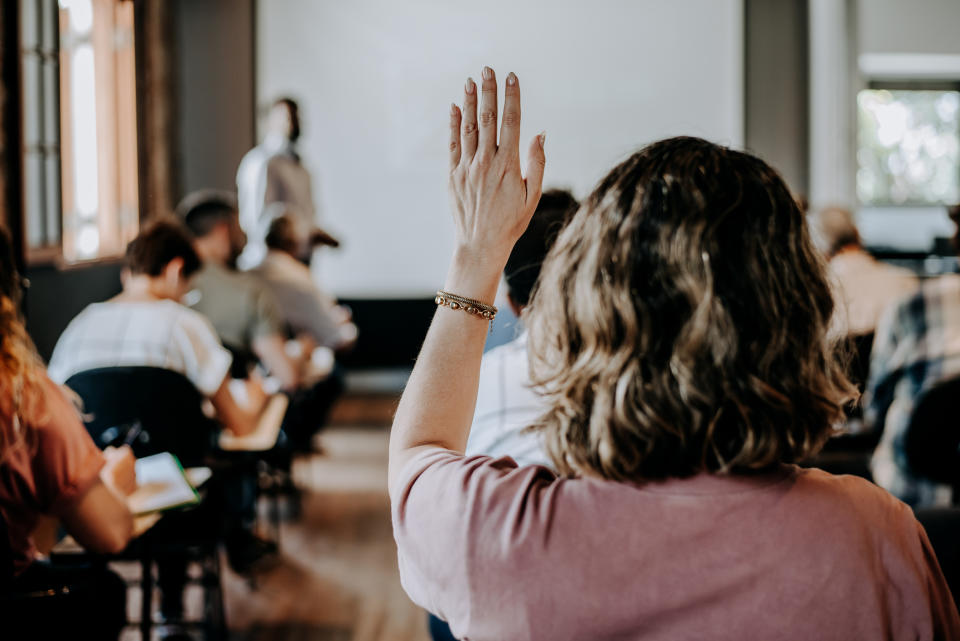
[{"x": 917, "y": 346}]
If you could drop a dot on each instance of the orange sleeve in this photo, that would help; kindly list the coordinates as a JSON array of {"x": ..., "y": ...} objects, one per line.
[{"x": 67, "y": 462}]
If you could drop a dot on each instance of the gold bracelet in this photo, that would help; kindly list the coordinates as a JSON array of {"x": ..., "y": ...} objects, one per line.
[{"x": 469, "y": 305}]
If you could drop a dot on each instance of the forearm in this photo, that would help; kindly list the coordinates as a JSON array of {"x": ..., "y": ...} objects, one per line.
[{"x": 437, "y": 405}]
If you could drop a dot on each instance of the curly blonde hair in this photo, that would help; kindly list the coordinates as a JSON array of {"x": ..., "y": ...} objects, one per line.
[
  {"x": 680, "y": 322},
  {"x": 21, "y": 370}
]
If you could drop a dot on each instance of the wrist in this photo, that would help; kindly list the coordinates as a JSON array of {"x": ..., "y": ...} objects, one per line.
[{"x": 474, "y": 276}]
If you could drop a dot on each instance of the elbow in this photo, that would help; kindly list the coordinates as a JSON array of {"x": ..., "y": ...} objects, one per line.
[{"x": 117, "y": 537}]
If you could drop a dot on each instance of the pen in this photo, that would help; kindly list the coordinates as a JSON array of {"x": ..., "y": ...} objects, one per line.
[{"x": 133, "y": 433}]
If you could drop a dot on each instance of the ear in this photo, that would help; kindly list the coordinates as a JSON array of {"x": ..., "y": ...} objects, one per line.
[{"x": 173, "y": 272}]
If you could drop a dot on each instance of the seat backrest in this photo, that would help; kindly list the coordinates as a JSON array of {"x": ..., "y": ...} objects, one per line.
[
  {"x": 164, "y": 402},
  {"x": 943, "y": 529},
  {"x": 932, "y": 439}
]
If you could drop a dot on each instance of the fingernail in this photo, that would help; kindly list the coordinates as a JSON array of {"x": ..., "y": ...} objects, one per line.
[
  {"x": 543, "y": 138},
  {"x": 453, "y": 109},
  {"x": 487, "y": 73},
  {"x": 471, "y": 86},
  {"x": 511, "y": 79}
]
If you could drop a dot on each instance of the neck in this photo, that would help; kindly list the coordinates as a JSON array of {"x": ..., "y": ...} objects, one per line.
[
  {"x": 141, "y": 288},
  {"x": 209, "y": 255}
]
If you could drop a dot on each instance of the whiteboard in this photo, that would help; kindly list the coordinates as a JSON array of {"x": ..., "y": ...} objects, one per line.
[{"x": 375, "y": 79}]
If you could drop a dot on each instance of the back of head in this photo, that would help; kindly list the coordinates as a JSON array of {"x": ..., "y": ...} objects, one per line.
[
  {"x": 21, "y": 371},
  {"x": 835, "y": 228},
  {"x": 555, "y": 208},
  {"x": 203, "y": 210},
  {"x": 285, "y": 118},
  {"x": 282, "y": 235},
  {"x": 680, "y": 321},
  {"x": 158, "y": 244}
]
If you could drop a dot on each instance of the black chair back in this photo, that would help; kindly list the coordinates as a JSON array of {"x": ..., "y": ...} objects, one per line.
[
  {"x": 943, "y": 529},
  {"x": 932, "y": 440},
  {"x": 165, "y": 403}
]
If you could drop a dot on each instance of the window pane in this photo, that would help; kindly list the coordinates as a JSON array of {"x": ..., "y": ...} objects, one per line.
[
  {"x": 28, "y": 23},
  {"x": 52, "y": 198},
  {"x": 32, "y": 105},
  {"x": 51, "y": 104},
  {"x": 909, "y": 147},
  {"x": 33, "y": 199}
]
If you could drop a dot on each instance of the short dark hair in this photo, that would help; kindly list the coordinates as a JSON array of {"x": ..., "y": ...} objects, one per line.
[
  {"x": 203, "y": 210},
  {"x": 158, "y": 244},
  {"x": 555, "y": 208},
  {"x": 282, "y": 235}
]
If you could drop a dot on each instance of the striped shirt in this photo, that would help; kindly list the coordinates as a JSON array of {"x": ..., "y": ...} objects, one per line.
[
  {"x": 917, "y": 346},
  {"x": 506, "y": 406}
]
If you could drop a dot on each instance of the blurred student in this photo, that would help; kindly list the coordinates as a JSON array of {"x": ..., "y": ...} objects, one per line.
[
  {"x": 917, "y": 346},
  {"x": 246, "y": 316},
  {"x": 865, "y": 287},
  {"x": 50, "y": 466},
  {"x": 306, "y": 309},
  {"x": 507, "y": 404},
  {"x": 242, "y": 311},
  {"x": 273, "y": 172},
  {"x": 146, "y": 325}
]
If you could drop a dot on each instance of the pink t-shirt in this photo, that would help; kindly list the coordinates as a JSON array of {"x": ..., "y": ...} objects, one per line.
[{"x": 509, "y": 554}]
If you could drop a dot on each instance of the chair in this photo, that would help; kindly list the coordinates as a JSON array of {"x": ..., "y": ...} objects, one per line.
[
  {"x": 165, "y": 402},
  {"x": 170, "y": 410},
  {"x": 932, "y": 438},
  {"x": 943, "y": 530}
]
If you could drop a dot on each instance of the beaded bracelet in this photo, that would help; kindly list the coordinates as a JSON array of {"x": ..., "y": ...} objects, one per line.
[{"x": 469, "y": 305}]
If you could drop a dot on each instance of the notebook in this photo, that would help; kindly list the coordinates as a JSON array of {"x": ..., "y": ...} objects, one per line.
[{"x": 161, "y": 485}]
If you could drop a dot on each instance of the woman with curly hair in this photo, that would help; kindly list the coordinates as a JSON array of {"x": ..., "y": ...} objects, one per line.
[
  {"x": 679, "y": 335},
  {"x": 49, "y": 466}
]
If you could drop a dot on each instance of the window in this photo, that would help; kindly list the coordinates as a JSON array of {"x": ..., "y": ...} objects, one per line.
[
  {"x": 908, "y": 146},
  {"x": 80, "y": 138}
]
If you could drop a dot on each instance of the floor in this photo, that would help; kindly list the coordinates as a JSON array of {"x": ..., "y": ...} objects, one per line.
[{"x": 336, "y": 577}]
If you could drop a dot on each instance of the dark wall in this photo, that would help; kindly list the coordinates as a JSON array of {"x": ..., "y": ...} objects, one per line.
[
  {"x": 776, "y": 84},
  {"x": 215, "y": 90},
  {"x": 56, "y": 296},
  {"x": 391, "y": 331}
]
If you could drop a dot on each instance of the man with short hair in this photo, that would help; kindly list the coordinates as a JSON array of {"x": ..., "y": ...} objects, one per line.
[
  {"x": 307, "y": 310},
  {"x": 246, "y": 315},
  {"x": 507, "y": 403}
]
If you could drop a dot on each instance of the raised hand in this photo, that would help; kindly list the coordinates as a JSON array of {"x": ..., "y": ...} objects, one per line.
[{"x": 492, "y": 202}]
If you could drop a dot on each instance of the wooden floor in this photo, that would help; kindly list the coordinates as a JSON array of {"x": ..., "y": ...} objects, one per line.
[{"x": 336, "y": 578}]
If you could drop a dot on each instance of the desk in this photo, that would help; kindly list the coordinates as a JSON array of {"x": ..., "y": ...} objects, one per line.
[{"x": 264, "y": 437}]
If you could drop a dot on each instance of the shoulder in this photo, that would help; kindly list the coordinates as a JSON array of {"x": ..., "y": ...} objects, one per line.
[
  {"x": 845, "y": 497},
  {"x": 188, "y": 320}
]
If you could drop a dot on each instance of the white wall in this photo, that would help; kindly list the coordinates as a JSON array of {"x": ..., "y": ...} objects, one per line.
[
  {"x": 909, "y": 26},
  {"x": 375, "y": 79}
]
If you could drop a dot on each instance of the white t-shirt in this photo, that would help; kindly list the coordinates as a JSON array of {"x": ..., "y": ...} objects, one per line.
[
  {"x": 159, "y": 333},
  {"x": 506, "y": 405}
]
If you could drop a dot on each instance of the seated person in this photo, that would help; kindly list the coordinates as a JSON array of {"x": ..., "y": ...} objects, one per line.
[
  {"x": 145, "y": 325},
  {"x": 679, "y": 334},
  {"x": 917, "y": 345},
  {"x": 49, "y": 466},
  {"x": 506, "y": 402},
  {"x": 864, "y": 286},
  {"x": 307, "y": 310},
  {"x": 246, "y": 317}
]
